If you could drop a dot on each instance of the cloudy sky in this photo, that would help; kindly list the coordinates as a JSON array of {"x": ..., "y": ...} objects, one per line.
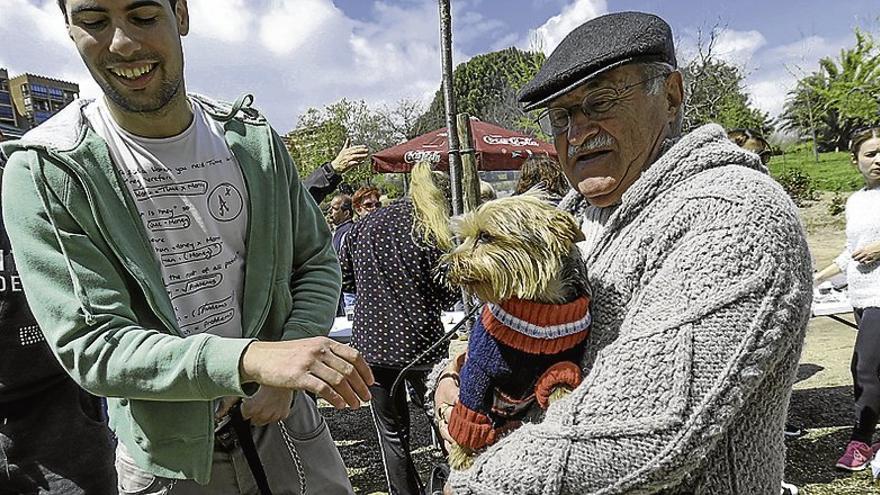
[{"x": 295, "y": 54}]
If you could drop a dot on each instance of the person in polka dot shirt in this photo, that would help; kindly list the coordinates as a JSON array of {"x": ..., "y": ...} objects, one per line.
[{"x": 389, "y": 261}]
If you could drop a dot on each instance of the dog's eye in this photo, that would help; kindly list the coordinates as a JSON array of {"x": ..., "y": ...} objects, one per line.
[{"x": 485, "y": 238}]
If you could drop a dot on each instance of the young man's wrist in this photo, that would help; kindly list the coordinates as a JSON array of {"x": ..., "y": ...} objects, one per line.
[{"x": 246, "y": 371}]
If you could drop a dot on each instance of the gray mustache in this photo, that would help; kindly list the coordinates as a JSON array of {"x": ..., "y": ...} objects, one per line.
[{"x": 594, "y": 143}]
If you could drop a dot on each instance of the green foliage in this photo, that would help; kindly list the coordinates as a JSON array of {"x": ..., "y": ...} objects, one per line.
[
  {"x": 321, "y": 133},
  {"x": 486, "y": 87},
  {"x": 834, "y": 172},
  {"x": 715, "y": 93},
  {"x": 842, "y": 95},
  {"x": 798, "y": 185},
  {"x": 837, "y": 204}
]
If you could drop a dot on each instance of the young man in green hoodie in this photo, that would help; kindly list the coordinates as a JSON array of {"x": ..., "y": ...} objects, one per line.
[{"x": 176, "y": 266}]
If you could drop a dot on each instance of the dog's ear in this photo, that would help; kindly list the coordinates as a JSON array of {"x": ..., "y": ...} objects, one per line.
[
  {"x": 579, "y": 237},
  {"x": 570, "y": 228}
]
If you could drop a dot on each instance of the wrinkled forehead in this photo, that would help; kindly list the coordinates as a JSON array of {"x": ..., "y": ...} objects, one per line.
[{"x": 613, "y": 78}]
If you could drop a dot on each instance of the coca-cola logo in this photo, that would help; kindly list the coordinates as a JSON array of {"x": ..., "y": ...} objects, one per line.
[
  {"x": 415, "y": 156},
  {"x": 510, "y": 141}
]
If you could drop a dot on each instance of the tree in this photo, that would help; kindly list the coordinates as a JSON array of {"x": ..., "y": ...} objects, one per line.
[
  {"x": 486, "y": 87},
  {"x": 841, "y": 96},
  {"x": 715, "y": 92},
  {"x": 321, "y": 133}
]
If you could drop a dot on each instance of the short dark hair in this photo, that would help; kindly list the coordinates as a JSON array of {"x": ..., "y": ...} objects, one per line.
[
  {"x": 346, "y": 203},
  {"x": 62, "y": 4}
]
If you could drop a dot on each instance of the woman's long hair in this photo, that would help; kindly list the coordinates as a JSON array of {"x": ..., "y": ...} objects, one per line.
[{"x": 429, "y": 192}]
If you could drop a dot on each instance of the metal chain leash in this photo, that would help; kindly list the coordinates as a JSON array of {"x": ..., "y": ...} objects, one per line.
[{"x": 288, "y": 440}]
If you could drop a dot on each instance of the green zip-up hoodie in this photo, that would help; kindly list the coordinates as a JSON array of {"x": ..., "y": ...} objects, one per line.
[{"x": 96, "y": 290}]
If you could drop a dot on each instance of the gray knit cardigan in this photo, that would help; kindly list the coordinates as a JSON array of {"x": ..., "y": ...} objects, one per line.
[{"x": 702, "y": 291}]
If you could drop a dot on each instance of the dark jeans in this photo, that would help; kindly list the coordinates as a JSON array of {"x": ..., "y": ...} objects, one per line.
[
  {"x": 391, "y": 416},
  {"x": 865, "y": 369},
  {"x": 56, "y": 443}
]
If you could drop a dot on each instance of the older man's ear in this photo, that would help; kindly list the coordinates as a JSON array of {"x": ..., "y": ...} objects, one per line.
[{"x": 674, "y": 94}]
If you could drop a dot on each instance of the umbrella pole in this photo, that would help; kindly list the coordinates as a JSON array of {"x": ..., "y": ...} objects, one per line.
[
  {"x": 449, "y": 97},
  {"x": 451, "y": 127}
]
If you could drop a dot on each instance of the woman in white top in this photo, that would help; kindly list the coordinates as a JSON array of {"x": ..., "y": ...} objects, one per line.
[{"x": 860, "y": 260}]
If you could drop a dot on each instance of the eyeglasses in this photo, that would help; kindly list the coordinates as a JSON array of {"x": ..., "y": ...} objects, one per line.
[
  {"x": 596, "y": 105},
  {"x": 370, "y": 205}
]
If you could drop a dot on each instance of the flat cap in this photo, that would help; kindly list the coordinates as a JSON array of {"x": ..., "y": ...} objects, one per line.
[{"x": 596, "y": 46}]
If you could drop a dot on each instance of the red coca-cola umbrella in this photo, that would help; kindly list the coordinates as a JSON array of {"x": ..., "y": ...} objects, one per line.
[{"x": 496, "y": 148}]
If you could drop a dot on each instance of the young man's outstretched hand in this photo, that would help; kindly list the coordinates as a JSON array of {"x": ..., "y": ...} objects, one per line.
[{"x": 334, "y": 371}]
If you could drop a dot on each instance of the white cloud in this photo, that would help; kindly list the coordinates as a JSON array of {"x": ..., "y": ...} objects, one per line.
[
  {"x": 738, "y": 47},
  {"x": 774, "y": 71},
  {"x": 729, "y": 45},
  {"x": 551, "y": 33},
  {"x": 289, "y": 25},
  {"x": 770, "y": 71},
  {"x": 224, "y": 20}
]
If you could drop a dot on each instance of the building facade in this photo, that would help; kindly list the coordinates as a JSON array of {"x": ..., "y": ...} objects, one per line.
[
  {"x": 36, "y": 98},
  {"x": 7, "y": 112}
]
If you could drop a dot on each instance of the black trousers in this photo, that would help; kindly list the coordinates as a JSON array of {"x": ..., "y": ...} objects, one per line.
[
  {"x": 391, "y": 417},
  {"x": 865, "y": 369},
  {"x": 56, "y": 442}
]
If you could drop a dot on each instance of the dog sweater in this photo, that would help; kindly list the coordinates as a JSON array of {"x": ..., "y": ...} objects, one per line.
[{"x": 519, "y": 352}]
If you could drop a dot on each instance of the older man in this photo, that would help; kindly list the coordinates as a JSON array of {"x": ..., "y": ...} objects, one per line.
[{"x": 701, "y": 282}]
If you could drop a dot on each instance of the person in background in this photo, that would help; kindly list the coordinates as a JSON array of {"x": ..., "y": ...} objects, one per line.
[
  {"x": 388, "y": 262},
  {"x": 543, "y": 171},
  {"x": 366, "y": 200},
  {"x": 340, "y": 214},
  {"x": 750, "y": 139},
  {"x": 44, "y": 415},
  {"x": 860, "y": 260},
  {"x": 326, "y": 178}
]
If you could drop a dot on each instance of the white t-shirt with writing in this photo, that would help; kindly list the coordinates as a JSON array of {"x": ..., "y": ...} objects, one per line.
[{"x": 191, "y": 197}]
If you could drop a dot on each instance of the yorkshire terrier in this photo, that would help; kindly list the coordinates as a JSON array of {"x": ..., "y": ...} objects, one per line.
[{"x": 519, "y": 256}]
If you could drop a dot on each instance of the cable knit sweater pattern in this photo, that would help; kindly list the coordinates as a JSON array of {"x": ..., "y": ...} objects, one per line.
[
  {"x": 702, "y": 291},
  {"x": 862, "y": 228}
]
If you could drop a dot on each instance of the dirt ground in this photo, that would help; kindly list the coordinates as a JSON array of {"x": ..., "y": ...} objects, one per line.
[{"x": 821, "y": 402}]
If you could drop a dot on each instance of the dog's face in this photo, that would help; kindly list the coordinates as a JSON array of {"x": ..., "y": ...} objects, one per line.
[{"x": 510, "y": 247}]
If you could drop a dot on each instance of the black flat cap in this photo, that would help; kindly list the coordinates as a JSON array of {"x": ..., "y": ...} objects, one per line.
[{"x": 596, "y": 46}]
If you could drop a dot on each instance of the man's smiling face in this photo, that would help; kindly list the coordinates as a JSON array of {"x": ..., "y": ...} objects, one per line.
[{"x": 132, "y": 48}]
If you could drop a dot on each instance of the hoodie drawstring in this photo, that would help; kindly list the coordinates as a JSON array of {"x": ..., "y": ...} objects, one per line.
[{"x": 78, "y": 290}]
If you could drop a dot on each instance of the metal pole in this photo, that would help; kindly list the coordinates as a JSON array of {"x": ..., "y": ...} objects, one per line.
[
  {"x": 451, "y": 127},
  {"x": 449, "y": 97}
]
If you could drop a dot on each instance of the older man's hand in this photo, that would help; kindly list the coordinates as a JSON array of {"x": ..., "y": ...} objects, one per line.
[{"x": 445, "y": 397}]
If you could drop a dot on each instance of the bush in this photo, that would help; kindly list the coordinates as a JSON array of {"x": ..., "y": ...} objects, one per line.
[
  {"x": 837, "y": 204},
  {"x": 798, "y": 185}
]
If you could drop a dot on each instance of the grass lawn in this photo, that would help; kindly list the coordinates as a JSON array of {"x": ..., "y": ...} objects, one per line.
[{"x": 834, "y": 172}]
